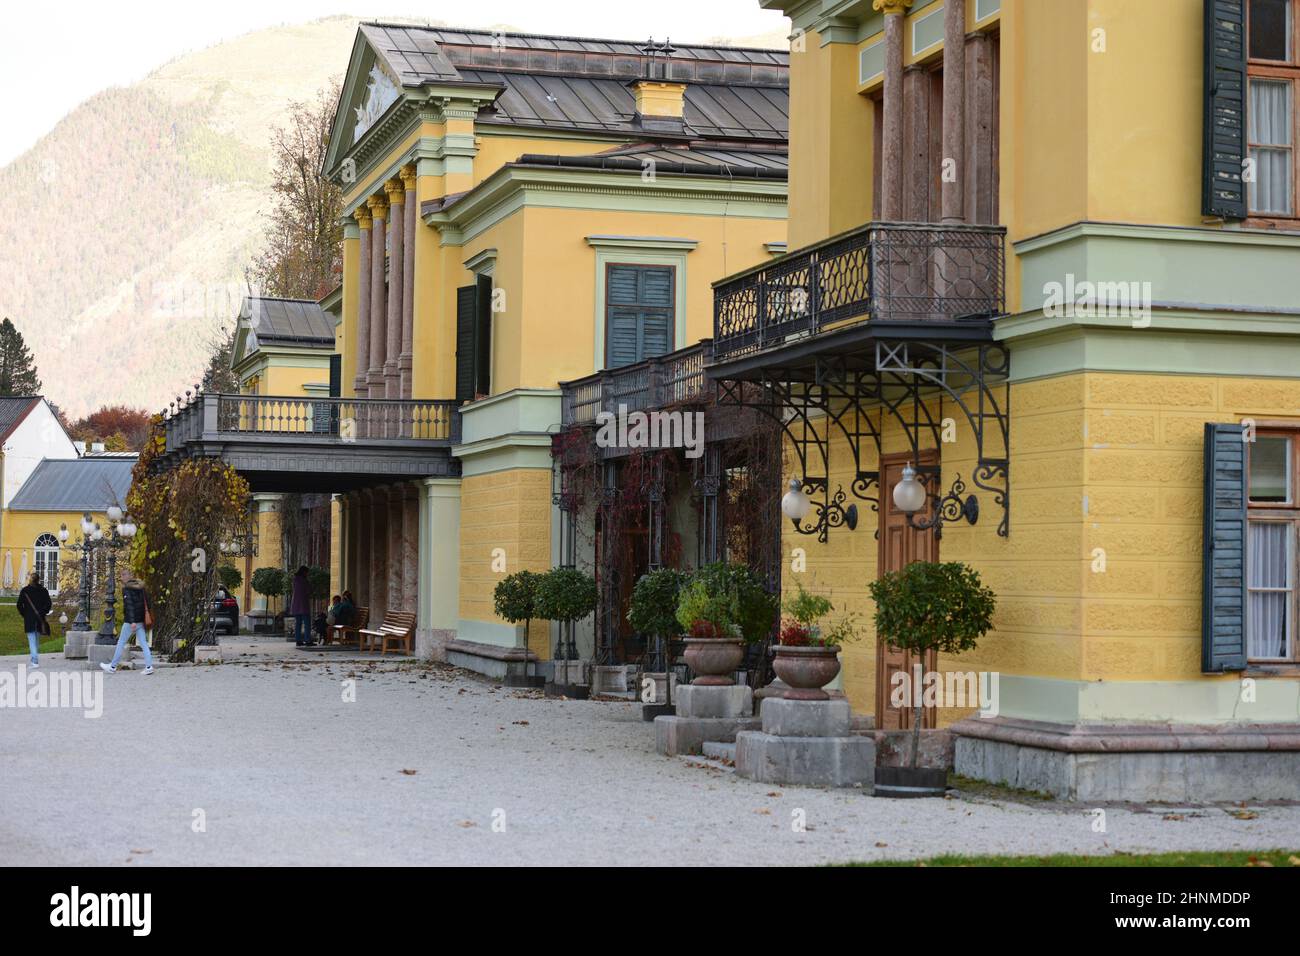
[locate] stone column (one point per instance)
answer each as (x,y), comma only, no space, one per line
(268,544)
(405,361)
(378,555)
(954,108)
(396,286)
(891,149)
(365,521)
(396,547)
(439,574)
(378,298)
(359,385)
(410,548)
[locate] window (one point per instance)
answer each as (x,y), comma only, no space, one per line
(640,312)
(47,561)
(1273,525)
(1273,73)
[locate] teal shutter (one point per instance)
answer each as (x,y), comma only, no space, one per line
(639,313)
(1223,590)
(1223,194)
(466,316)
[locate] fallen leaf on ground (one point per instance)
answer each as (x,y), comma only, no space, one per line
(408,772)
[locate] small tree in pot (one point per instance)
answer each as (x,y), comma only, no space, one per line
(515,600)
(653,612)
(565,595)
(930,605)
(270,582)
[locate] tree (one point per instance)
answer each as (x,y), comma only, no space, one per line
(931,606)
(17,366)
(301,257)
(119,427)
(219,376)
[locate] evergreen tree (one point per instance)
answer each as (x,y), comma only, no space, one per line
(17,367)
(219,376)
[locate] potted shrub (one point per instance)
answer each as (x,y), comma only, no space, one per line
(515,600)
(565,595)
(722,608)
(927,606)
(652,611)
(230,577)
(806,656)
(270,583)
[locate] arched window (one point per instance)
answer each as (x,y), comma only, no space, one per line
(47,561)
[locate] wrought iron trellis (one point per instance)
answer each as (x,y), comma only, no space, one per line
(901,382)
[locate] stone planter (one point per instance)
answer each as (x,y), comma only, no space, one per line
(714,659)
(807,670)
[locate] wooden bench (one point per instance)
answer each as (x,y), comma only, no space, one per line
(398,627)
(340,632)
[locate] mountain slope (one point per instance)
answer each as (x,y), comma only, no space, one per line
(127,228)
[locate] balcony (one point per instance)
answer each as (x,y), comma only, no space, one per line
(913,277)
(294,444)
(664,381)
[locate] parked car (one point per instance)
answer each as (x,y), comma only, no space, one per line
(225,611)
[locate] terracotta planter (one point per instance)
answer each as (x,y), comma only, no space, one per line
(714,659)
(806,670)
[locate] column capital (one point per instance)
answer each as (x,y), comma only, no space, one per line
(362,216)
(408,175)
(395,191)
(378,207)
(890,8)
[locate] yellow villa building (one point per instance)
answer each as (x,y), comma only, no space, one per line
(1040,268)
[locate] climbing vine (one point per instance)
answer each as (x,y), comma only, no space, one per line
(183,512)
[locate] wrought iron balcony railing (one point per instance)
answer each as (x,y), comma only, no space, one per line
(905,272)
(279,418)
(658,382)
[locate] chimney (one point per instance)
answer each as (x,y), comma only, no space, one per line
(97,448)
(659,99)
(80,446)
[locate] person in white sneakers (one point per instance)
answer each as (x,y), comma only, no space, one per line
(136,619)
(34,605)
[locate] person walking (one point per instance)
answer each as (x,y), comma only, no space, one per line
(34,605)
(136,619)
(300,608)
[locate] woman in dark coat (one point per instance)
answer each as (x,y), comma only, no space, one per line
(300,609)
(135,604)
(34,604)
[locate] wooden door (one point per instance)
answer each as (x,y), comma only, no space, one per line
(900,545)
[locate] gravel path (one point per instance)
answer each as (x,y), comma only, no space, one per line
(286,772)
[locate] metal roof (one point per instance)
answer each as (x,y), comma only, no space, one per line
(13,409)
(76,484)
(584,84)
(290,321)
(764,164)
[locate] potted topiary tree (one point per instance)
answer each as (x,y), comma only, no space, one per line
(722,608)
(270,583)
(229,577)
(926,606)
(807,654)
(566,595)
(652,611)
(515,600)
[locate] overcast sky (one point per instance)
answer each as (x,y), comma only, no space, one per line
(59,55)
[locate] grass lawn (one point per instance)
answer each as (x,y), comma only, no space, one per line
(12,638)
(1210,858)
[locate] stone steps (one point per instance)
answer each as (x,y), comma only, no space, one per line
(720,750)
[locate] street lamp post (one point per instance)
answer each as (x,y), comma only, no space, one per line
(121,530)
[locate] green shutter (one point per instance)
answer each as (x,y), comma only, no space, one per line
(1223,194)
(640,312)
(466,315)
(1223,589)
(483,338)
